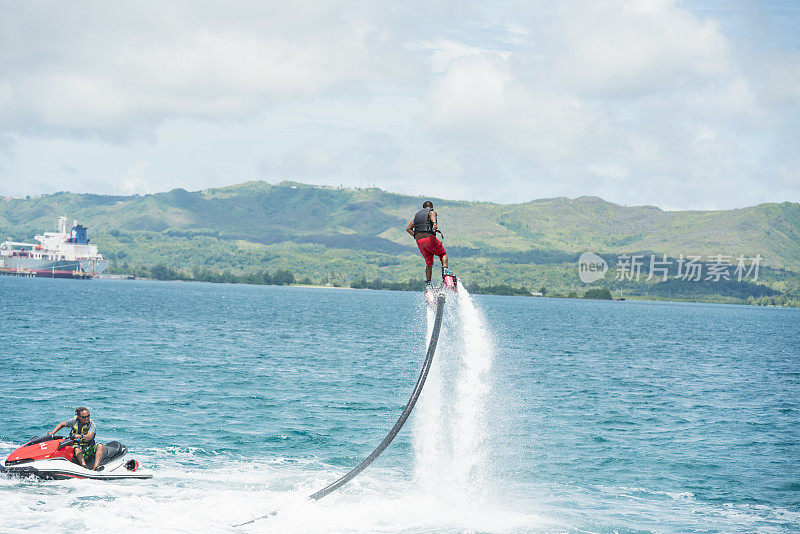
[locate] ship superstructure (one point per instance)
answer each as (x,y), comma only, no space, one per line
(62,254)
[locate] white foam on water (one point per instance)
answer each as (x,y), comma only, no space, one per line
(228,492)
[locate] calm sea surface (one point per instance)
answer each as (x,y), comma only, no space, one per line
(540,415)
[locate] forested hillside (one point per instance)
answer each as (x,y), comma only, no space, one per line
(342,235)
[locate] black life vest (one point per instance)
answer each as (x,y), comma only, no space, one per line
(78,432)
(422,221)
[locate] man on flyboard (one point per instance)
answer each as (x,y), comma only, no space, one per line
(423,228)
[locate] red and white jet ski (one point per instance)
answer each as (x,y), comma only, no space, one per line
(49,457)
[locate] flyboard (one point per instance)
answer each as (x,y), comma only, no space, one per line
(426,366)
(449,281)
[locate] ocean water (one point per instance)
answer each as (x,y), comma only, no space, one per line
(539,415)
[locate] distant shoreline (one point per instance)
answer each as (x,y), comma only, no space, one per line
(317,286)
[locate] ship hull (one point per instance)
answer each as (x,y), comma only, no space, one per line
(17,266)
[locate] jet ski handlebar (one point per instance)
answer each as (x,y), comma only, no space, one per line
(66,442)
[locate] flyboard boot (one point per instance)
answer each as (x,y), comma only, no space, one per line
(449,280)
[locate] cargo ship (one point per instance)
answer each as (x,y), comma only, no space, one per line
(61,254)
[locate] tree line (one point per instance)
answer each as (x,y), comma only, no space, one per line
(743,292)
(280,277)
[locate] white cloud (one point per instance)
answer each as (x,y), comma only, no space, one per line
(641,102)
(211,68)
(306,161)
(443,52)
(784,79)
(789,174)
(134,180)
(611,172)
(627,49)
(471,88)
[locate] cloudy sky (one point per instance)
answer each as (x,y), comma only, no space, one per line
(683,105)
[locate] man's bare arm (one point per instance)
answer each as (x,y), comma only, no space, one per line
(410,228)
(433,221)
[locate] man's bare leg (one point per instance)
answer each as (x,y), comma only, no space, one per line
(97,455)
(79,455)
(428,272)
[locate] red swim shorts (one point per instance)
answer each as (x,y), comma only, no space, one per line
(430,247)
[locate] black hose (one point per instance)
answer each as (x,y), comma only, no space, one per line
(426,366)
(403,416)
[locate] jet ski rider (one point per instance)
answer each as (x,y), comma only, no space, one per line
(423,228)
(83,430)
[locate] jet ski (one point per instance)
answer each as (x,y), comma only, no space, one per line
(50,457)
(449,281)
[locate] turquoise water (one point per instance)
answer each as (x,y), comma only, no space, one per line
(540,415)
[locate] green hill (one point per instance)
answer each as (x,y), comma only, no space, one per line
(343,234)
